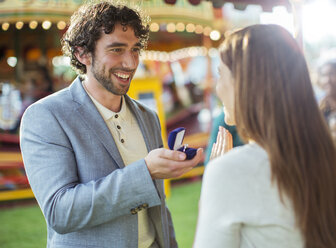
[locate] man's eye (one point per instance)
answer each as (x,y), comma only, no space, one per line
(117,50)
(136,49)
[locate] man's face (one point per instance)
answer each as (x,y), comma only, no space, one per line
(116,59)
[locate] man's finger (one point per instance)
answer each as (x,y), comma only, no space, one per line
(172,155)
(194,161)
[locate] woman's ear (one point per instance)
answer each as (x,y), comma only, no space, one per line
(82,56)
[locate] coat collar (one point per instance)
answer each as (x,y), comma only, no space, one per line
(92,118)
(96,123)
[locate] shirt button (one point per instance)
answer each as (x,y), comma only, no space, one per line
(122,140)
(116,116)
(119,127)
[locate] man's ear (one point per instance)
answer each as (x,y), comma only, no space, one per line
(82,56)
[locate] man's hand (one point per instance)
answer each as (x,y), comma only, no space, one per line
(163,163)
(223,143)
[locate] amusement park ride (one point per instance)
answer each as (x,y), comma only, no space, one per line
(31,30)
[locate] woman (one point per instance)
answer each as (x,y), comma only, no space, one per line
(279,190)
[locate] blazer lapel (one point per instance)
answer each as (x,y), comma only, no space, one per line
(95,122)
(149,142)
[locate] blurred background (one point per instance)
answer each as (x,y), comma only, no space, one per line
(176,77)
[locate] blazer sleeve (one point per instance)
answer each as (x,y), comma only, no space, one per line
(67,204)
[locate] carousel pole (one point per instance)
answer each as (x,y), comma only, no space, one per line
(18,54)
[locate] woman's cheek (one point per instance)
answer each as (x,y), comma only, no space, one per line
(220,91)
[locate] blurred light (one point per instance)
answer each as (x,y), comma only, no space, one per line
(174,55)
(61,61)
(279,16)
(207,31)
(180,27)
(154,27)
(12,61)
(190,27)
(156,55)
(199,29)
(5,26)
(33,24)
(215,35)
(193,52)
(318,20)
(164,56)
(203,51)
(46,25)
(19,25)
(171,28)
(61,25)
(213,52)
(150,55)
(204,118)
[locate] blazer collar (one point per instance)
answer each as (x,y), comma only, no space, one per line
(90,115)
(96,123)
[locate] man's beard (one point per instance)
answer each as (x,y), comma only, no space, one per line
(106,81)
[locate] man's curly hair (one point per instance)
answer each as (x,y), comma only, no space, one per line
(89,22)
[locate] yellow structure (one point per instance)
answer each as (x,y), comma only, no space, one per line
(149,91)
(12,162)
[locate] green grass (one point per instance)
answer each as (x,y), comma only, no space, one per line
(183,205)
(24,226)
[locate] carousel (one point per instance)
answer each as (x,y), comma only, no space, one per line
(30,53)
(175,77)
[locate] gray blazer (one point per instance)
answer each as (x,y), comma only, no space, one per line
(87,195)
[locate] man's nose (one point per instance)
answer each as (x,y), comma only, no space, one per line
(130,60)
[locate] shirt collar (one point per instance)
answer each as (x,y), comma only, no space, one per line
(107,113)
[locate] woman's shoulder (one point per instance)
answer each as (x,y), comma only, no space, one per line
(243,161)
(250,153)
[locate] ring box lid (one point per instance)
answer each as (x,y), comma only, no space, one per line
(175,138)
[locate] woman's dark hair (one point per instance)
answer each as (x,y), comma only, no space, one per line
(89,22)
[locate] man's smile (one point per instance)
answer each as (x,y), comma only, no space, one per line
(123,76)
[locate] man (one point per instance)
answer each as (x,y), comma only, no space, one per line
(91,153)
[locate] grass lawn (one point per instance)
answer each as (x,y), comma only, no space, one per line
(24,226)
(183,205)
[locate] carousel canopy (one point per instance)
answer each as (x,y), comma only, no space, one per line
(183,23)
(267,5)
(197,12)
